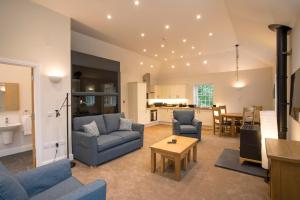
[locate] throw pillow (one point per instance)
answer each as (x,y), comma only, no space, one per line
(10,188)
(125,124)
(91,129)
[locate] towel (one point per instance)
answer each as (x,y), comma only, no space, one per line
(27,124)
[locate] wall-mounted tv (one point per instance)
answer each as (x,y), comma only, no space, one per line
(295,96)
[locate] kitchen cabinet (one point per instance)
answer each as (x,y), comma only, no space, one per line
(165,115)
(137,103)
(170,91)
(205,116)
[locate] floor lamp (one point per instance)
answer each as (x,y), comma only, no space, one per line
(57,114)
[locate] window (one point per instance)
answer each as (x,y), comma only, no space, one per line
(204,95)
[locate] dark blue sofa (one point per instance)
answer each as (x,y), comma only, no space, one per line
(50,182)
(185,124)
(111,143)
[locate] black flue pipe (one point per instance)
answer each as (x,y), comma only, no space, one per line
(281,77)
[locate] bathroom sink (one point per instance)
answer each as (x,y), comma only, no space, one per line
(9,127)
(7,132)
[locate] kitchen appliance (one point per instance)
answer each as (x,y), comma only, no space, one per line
(153,115)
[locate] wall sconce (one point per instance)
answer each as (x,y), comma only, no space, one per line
(55,79)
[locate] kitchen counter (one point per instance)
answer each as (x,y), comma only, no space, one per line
(179,108)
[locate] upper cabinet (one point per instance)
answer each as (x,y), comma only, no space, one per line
(169,92)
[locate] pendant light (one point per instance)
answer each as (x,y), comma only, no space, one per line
(238,83)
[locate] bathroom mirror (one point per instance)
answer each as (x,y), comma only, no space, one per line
(9,96)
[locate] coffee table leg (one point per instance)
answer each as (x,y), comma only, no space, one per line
(153,161)
(177,168)
(195,153)
(189,156)
(185,163)
(162,164)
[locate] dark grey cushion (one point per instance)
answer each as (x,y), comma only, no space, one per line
(188,129)
(112,121)
(78,122)
(10,188)
(67,186)
(184,117)
(108,141)
(127,136)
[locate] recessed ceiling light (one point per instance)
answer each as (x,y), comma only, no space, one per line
(151,66)
(162,45)
(172,66)
(165,59)
(187,64)
(144,50)
(198,16)
(167,26)
(199,53)
(172,51)
(193,47)
(210,34)
(155,55)
(183,40)
(181,56)
(205,62)
(142,34)
(136,3)
(108,16)
(141,63)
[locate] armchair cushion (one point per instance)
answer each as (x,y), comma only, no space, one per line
(10,188)
(188,129)
(42,178)
(184,117)
(112,121)
(67,186)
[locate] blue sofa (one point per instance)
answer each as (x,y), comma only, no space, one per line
(50,182)
(111,143)
(185,124)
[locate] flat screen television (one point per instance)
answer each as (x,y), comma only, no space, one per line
(295,96)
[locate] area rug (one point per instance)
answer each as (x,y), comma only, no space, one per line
(230,159)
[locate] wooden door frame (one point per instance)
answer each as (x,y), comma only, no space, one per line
(36,106)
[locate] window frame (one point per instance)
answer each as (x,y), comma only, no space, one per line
(206,97)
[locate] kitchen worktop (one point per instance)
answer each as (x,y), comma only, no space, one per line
(179,108)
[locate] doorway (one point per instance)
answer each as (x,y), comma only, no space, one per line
(17,123)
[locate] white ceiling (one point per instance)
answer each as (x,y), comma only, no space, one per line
(231,21)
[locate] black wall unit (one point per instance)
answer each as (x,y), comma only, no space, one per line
(95,85)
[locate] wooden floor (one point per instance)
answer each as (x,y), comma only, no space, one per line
(129,177)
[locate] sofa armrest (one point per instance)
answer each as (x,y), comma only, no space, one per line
(92,191)
(176,127)
(85,147)
(140,129)
(42,178)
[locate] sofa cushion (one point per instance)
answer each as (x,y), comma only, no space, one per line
(112,121)
(62,188)
(125,124)
(108,141)
(78,122)
(91,129)
(127,136)
(188,129)
(185,117)
(10,188)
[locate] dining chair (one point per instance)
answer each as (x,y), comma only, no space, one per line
(257,110)
(248,115)
(219,124)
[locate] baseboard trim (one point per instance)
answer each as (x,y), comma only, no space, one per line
(71,157)
(15,150)
(152,124)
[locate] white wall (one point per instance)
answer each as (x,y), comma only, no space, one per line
(131,70)
(33,33)
(258,90)
(22,76)
(294,126)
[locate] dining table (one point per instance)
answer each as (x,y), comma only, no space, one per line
(233,118)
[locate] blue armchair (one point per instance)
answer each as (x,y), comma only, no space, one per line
(49,182)
(185,124)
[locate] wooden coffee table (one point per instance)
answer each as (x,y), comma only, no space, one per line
(177,152)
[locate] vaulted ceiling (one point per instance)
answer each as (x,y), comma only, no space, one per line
(210,29)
